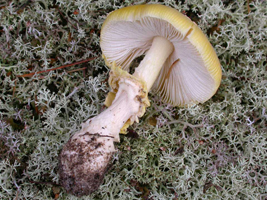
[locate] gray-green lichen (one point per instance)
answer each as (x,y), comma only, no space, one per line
(216,150)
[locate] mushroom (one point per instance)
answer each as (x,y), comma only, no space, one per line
(179,63)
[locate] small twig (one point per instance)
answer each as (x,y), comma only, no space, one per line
(68,72)
(76,70)
(17,195)
(248,7)
(18,191)
(56,68)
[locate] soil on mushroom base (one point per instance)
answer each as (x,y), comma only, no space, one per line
(79,173)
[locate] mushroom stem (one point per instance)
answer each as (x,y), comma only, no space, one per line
(148,70)
(111,120)
(87,156)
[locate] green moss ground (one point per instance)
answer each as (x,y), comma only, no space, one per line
(216,150)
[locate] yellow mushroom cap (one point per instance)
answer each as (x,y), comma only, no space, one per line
(191,74)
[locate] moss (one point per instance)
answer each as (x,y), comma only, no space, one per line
(210,151)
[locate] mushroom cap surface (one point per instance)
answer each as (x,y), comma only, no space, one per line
(191,74)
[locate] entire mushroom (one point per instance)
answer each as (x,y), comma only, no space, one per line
(179,63)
